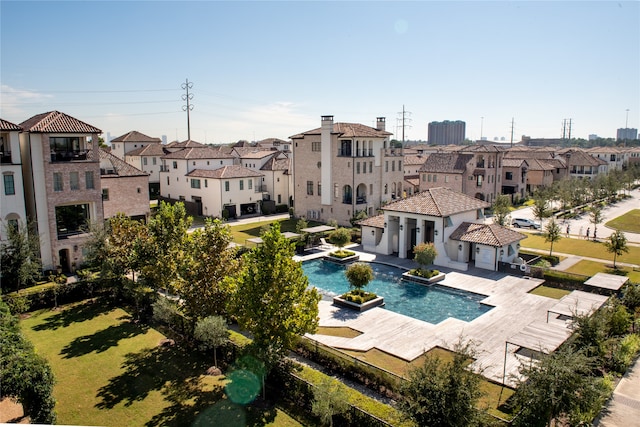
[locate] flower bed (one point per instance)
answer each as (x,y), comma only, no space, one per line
(359,300)
(342,257)
(423,276)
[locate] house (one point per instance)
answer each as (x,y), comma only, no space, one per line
(130,141)
(451,220)
(450,170)
(148,159)
(275,143)
(13,210)
(412,163)
(124,188)
(582,165)
(514,180)
(341,169)
(613,156)
(277,180)
(61,185)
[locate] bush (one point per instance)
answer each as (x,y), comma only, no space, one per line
(359,296)
(342,254)
(626,352)
(424,272)
(340,237)
(561,277)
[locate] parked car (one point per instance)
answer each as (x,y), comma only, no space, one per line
(524,222)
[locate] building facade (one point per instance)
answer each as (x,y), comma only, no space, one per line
(447,132)
(12,205)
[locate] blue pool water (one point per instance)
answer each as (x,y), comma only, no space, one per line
(431,304)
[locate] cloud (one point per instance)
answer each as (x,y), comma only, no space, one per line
(19,105)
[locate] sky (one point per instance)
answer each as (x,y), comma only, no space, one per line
(271,69)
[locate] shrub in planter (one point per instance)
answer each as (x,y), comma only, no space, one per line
(342,254)
(423,272)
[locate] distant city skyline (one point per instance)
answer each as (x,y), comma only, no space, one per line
(272,68)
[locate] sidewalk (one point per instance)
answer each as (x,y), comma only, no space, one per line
(572,259)
(623,409)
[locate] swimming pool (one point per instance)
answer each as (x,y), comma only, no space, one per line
(431,304)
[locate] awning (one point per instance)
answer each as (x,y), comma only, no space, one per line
(318,229)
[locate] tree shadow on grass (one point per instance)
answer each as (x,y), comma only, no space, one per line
(75,314)
(102,340)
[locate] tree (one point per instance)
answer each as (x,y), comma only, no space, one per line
(164,253)
(443,393)
(340,237)
(501,210)
(552,234)
(425,254)
(540,208)
(207,284)
(301,224)
(212,331)
(272,300)
(617,245)
(595,217)
(359,274)
(559,385)
(20,264)
(329,399)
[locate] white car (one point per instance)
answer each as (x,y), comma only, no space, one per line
(524,222)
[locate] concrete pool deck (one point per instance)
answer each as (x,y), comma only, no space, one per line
(407,338)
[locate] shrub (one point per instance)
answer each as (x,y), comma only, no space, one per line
(425,253)
(340,237)
(562,277)
(359,275)
(423,272)
(342,254)
(626,352)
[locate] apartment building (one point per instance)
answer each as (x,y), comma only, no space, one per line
(341,169)
(12,205)
(61,184)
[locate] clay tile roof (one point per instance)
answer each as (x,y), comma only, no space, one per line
(149,150)
(438,202)
(202,152)
(235,171)
(57,122)
(253,152)
(374,221)
(414,159)
(135,136)
(348,130)
(540,165)
(413,181)
(486,234)
(121,167)
(274,164)
(446,163)
(6,125)
(513,163)
(189,143)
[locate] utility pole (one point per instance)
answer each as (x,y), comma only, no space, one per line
(511,131)
(187,97)
(404,119)
(481,127)
(570,129)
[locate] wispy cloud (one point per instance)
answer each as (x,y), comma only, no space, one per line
(20,104)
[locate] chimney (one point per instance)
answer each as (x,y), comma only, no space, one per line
(380,122)
(327,123)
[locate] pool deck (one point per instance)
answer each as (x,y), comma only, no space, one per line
(514,310)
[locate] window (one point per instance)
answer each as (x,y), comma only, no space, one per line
(319,189)
(315,146)
(371,189)
(386,165)
(242,184)
(424,177)
(393,166)
(168,181)
(139,191)
(508,175)
(250,183)
(370,167)
(399,165)
(206,183)
(57,182)
(429,177)
(74,181)
(446,178)
(9,185)
(153,160)
(358,167)
(479,181)
(105,194)
(279,198)
(195,183)
(309,188)
(175,165)
(72,220)
(435,178)
(144,161)
(226,186)
(88,180)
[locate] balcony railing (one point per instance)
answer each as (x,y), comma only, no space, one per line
(63,233)
(344,152)
(69,156)
(164,168)
(347,200)
(348,152)
(361,200)
(393,152)
(260,189)
(5,157)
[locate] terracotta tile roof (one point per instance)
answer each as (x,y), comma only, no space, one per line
(446,163)
(57,122)
(439,201)
(121,167)
(540,165)
(135,136)
(486,234)
(558,162)
(514,163)
(253,152)
(413,181)
(374,221)
(235,171)
(201,152)
(489,148)
(189,143)
(149,150)
(528,154)
(580,158)
(348,130)
(414,159)
(6,125)
(274,164)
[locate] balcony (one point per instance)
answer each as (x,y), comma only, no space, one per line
(347,200)
(164,168)
(393,152)
(5,157)
(344,152)
(361,200)
(69,156)
(260,189)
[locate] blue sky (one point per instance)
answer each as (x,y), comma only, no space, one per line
(272,68)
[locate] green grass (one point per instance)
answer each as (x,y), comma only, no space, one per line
(586,248)
(629,222)
(110,371)
(338,331)
(589,268)
(242,232)
(550,292)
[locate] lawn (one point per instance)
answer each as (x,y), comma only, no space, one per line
(628,222)
(589,268)
(549,292)
(110,371)
(587,248)
(242,232)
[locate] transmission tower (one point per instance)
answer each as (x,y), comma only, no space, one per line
(403,120)
(566,128)
(187,97)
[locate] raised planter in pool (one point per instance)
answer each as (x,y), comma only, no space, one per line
(342,260)
(423,280)
(376,302)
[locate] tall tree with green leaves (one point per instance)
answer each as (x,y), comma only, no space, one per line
(359,274)
(501,210)
(443,393)
(208,285)
(540,208)
(595,217)
(552,234)
(164,254)
(20,264)
(213,332)
(617,245)
(272,300)
(329,399)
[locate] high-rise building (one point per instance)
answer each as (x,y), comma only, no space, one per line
(627,133)
(447,132)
